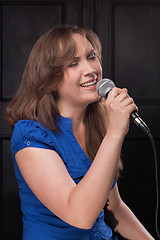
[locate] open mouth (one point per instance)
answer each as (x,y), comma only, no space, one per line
(89,84)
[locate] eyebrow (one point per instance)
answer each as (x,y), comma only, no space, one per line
(92,51)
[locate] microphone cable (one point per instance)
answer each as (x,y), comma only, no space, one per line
(157,184)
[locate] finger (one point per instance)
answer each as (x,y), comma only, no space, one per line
(127,101)
(131,108)
(122,96)
(125,90)
(114,93)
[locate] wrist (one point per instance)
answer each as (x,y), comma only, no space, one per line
(115,135)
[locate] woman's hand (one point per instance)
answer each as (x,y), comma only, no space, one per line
(119,106)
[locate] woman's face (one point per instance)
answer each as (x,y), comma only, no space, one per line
(78,86)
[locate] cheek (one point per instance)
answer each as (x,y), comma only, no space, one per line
(99,67)
(72,74)
(72,78)
(66,86)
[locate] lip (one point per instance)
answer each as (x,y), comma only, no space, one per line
(90,80)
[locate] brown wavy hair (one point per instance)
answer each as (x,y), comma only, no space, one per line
(36,99)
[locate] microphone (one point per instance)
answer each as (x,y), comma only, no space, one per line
(104,86)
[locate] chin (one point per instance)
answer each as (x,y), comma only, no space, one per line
(95,99)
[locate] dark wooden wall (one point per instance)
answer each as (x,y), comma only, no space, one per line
(130,34)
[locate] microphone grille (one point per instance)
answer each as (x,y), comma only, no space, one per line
(104,86)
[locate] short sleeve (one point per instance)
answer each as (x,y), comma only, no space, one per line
(28,133)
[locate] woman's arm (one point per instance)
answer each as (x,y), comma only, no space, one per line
(122,219)
(48,178)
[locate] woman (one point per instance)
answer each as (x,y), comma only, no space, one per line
(66,142)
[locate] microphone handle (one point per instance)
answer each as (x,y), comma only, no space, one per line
(139,122)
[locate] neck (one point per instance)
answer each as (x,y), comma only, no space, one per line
(75,113)
(78,127)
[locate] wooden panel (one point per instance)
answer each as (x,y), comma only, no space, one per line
(12,223)
(103,28)
(89,14)
(137,182)
(135,56)
(73,12)
(4,128)
(22,25)
(1,188)
(137,51)
(134,38)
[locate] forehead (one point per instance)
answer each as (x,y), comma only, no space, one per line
(81,42)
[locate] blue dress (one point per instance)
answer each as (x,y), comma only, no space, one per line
(39,223)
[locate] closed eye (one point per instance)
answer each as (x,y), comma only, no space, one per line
(91,56)
(72,64)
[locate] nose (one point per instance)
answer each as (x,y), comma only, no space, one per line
(88,68)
